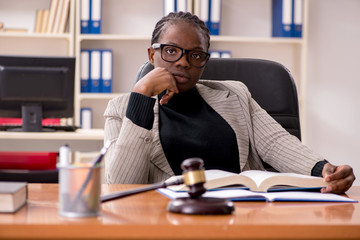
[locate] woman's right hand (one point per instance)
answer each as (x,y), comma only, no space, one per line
(155,82)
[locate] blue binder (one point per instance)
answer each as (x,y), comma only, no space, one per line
(95,70)
(226,54)
(215,16)
(106,70)
(95,16)
(181,5)
(85,70)
(204,12)
(85,16)
(169,6)
(175,6)
(282,18)
(297,18)
(86,118)
(215,54)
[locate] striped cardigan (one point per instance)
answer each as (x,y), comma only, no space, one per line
(138,157)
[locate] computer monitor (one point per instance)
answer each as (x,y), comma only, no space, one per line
(35,88)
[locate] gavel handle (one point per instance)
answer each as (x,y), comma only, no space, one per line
(122,194)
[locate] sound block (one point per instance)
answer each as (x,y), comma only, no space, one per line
(201,206)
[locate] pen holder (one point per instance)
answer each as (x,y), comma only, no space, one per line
(79,191)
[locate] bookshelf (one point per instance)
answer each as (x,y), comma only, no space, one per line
(126,29)
(22,14)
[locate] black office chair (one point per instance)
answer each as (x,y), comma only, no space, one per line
(269,83)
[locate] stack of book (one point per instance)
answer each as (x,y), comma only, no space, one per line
(90,16)
(96,70)
(287,18)
(54,19)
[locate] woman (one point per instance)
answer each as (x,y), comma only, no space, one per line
(171,115)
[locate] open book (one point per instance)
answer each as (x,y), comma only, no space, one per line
(258,181)
(245,195)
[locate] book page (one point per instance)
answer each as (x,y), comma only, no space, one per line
(258,176)
(214,174)
(266,180)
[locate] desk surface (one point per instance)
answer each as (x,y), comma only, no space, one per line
(144,216)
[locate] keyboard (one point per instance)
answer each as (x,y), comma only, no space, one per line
(62,128)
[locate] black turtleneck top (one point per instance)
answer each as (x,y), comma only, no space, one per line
(189,127)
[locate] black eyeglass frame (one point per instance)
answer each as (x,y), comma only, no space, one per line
(183,51)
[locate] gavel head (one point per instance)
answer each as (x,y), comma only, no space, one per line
(194,176)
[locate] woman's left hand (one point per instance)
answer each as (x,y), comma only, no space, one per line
(339,178)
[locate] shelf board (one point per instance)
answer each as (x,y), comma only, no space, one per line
(99,96)
(35,35)
(80,134)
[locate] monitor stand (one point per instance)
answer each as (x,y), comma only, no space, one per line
(31,119)
(31,116)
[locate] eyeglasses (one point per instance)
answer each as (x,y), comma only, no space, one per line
(170,53)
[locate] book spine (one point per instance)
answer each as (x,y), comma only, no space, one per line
(220,54)
(298,18)
(205,12)
(282,18)
(59,8)
(190,6)
(169,6)
(95,16)
(85,70)
(215,16)
(85,16)
(39,20)
(106,70)
(52,15)
(226,54)
(45,21)
(86,118)
(95,70)
(64,16)
(181,5)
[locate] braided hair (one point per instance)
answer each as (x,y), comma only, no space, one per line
(175,17)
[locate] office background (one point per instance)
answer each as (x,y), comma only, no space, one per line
(333,86)
(332,116)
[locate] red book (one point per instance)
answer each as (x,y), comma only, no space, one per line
(28,160)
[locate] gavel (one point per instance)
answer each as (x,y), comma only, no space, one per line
(194,179)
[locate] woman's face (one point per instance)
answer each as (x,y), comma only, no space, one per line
(188,37)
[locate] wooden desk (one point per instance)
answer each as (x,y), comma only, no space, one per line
(144,216)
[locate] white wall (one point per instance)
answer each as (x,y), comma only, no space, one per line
(333,111)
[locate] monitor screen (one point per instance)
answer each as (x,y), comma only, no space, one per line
(35,88)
